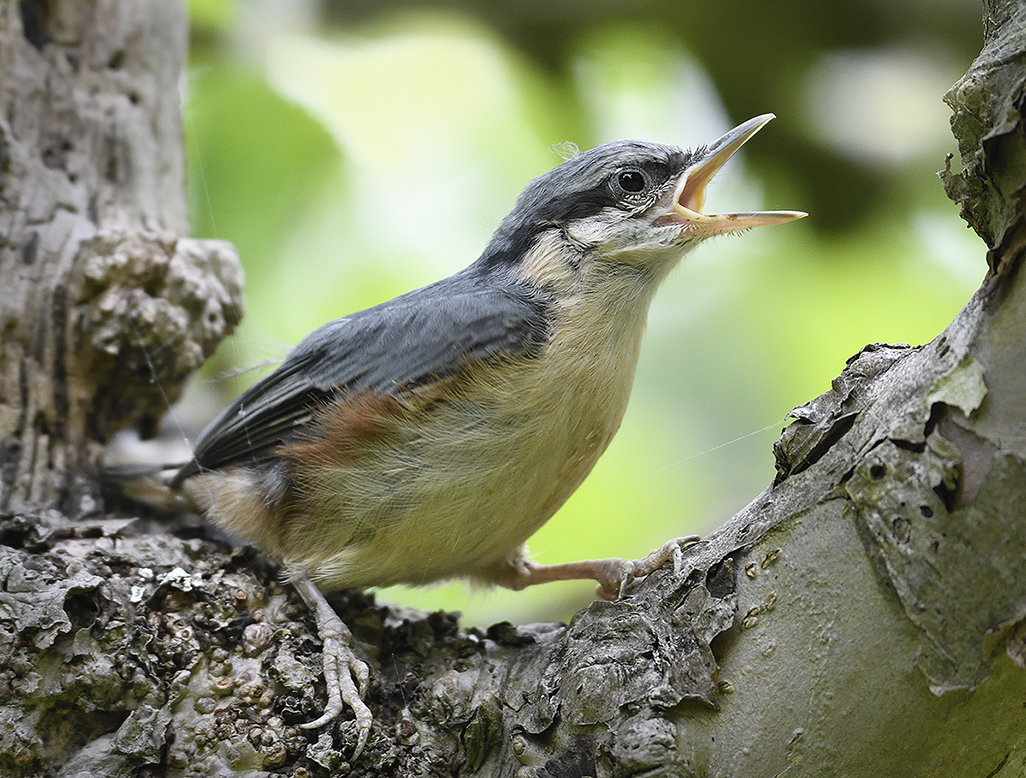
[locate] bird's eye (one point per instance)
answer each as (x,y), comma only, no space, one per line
(631,181)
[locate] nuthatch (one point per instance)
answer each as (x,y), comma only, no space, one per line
(428,437)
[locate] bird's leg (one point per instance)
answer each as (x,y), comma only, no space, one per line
(612,574)
(341,665)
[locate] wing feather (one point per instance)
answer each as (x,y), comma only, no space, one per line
(430,333)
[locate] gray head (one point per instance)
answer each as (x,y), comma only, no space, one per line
(628,202)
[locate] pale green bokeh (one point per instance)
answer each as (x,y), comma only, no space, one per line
(213,14)
(353,169)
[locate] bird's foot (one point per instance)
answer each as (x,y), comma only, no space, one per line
(345,675)
(613,575)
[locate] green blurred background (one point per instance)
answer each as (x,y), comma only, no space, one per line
(354,150)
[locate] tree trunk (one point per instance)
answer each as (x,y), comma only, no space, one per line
(864,616)
(105,310)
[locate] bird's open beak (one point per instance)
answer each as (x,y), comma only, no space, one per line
(689,194)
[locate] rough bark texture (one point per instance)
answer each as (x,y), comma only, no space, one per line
(106,307)
(864,616)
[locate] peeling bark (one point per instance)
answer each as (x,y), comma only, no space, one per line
(865,615)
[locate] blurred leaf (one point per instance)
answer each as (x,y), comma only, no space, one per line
(256,161)
(213,15)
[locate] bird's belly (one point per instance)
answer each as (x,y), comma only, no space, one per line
(453,493)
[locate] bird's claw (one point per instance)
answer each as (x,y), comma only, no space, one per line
(624,571)
(346,677)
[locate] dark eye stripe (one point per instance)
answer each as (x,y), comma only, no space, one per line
(582,187)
